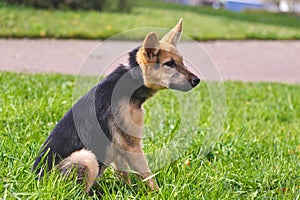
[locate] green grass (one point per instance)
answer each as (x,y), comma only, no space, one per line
(256,157)
(199,23)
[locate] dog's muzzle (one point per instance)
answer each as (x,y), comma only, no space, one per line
(189,84)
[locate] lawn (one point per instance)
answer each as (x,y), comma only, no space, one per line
(256,157)
(199,23)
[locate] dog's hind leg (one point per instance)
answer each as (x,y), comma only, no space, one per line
(85,164)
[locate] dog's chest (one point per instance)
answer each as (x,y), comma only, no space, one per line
(129,119)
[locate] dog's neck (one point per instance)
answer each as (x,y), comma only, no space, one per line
(142,93)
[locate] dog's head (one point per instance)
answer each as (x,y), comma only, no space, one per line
(162,64)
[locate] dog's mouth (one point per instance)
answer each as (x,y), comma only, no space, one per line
(183,88)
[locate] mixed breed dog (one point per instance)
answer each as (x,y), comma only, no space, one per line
(155,65)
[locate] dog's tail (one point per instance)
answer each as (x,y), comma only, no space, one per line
(84,163)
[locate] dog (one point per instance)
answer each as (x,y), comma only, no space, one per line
(116,103)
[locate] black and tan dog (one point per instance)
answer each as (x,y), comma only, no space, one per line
(154,66)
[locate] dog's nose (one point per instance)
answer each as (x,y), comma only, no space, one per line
(195,81)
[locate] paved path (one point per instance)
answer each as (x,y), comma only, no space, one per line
(236,60)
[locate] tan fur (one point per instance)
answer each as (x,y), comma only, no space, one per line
(132,118)
(173,36)
(158,76)
(82,158)
(137,115)
(121,167)
(129,139)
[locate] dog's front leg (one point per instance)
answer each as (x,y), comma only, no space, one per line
(121,167)
(137,162)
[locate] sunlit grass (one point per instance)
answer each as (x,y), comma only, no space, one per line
(199,23)
(256,157)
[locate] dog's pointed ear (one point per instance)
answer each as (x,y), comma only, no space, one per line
(151,46)
(173,36)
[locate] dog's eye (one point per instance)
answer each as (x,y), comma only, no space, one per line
(171,63)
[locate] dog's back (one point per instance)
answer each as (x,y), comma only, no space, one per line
(64,147)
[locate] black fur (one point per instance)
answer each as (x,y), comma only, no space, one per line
(132,58)
(64,139)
